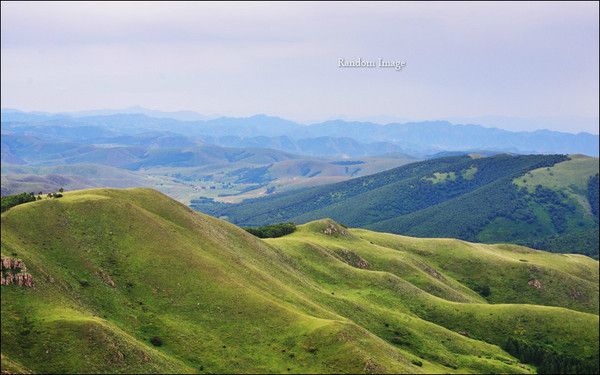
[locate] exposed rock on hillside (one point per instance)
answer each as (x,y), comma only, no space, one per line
(352,258)
(13,272)
(13,264)
(535,283)
(334,229)
(106,279)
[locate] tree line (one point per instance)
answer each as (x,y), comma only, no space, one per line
(272,231)
(10,201)
(549,361)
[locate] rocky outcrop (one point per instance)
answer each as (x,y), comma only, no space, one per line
(13,264)
(24,279)
(351,258)
(334,229)
(372,367)
(433,272)
(13,271)
(106,279)
(535,283)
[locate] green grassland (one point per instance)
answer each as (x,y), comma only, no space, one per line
(115,268)
(439,177)
(570,177)
(572,173)
(547,202)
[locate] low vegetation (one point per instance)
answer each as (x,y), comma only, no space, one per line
(592,194)
(543,201)
(16,199)
(272,231)
(547,360)
(9,201)
(130,281)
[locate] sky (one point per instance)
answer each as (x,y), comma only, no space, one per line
(522,65)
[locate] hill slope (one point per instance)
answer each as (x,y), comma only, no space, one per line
(114,270)
(468,197)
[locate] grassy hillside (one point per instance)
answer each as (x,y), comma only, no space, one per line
(570,177)
(547,208)
(132,281)
(544,201)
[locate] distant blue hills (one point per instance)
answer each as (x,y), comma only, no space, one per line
(331,138)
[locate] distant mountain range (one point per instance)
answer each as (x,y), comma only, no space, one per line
(44,154)
(132,281)
(172,163)
(234,159)
(333,138)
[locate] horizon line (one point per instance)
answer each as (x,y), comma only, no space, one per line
(139,109)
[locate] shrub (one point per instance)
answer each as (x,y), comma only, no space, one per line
(417,362)
(483,290)
(398,340)
(16,199)
(156,341)
(272,231)
(548,360)
(312,350)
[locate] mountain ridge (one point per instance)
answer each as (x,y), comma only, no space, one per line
(469,197)
(423,137)
(115,269)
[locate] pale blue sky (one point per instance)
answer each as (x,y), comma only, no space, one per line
(464,60)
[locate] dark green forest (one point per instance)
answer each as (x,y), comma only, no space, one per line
(16,199)
(473,199)
(549,361)
(272,231)
(9,201)
(593,192)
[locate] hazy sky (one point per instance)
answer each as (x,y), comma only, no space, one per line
(463,60)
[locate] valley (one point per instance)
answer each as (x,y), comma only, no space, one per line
(544,201)
(279,187)
(41,153)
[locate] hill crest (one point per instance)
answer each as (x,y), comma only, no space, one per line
(132,281)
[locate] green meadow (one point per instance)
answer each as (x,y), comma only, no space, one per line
(131,281)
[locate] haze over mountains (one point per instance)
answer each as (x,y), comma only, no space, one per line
(133,281)
(348,138)
(366,187)
(263,170)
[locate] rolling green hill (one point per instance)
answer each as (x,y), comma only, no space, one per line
(132,281)
(543,201)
